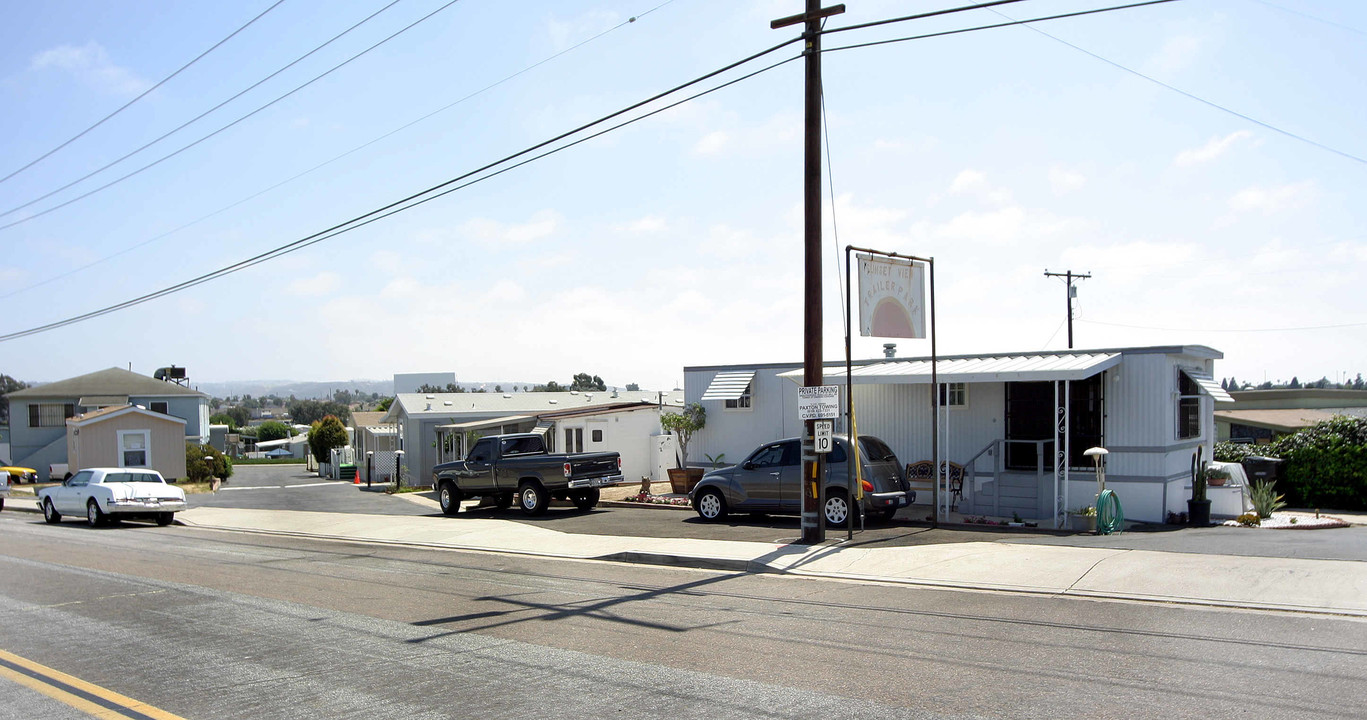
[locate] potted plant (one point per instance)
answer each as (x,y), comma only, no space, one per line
(683,424)
(1084,519)
(1216,477)
(1198,507)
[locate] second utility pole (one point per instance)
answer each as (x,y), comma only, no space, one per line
(813,464)
(1069,276)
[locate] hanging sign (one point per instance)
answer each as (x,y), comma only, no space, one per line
(892,295)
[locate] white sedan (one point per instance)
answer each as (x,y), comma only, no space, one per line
(112,494)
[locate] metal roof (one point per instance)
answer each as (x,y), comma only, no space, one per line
(969,369)
(729,385)
(1209,385)
(455,405)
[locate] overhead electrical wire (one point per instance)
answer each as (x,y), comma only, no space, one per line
(431,193)
(195,119)
(1198,98)
(164,158)
(1253,330)
(449,186)
(358,148)
(144,94)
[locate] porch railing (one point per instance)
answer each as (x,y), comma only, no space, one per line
(995,452)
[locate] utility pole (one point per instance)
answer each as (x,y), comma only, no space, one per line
(813,464)
(1069,277)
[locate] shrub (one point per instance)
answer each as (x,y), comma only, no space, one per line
(1265,499)
(203,462)
(325,435)
(272,430)
(1326,464)
(1234,452)
(1249,520)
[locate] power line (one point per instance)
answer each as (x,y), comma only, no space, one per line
(356,149)
(145,93)
(1198,98)
(1308,16)
(164,158)
(1209,330)
(1081,13)
(430,193)
(920,16)
(195,119)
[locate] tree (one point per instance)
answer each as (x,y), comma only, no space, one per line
(9,385)
(498,388)
(450,388)
(240,415)
(584,382)
(272,430)
(551,386)
(633,387)
(683,424)
(325,435)
(383,405)
(223,419)
(203,462)
(1295,383)
(307,412)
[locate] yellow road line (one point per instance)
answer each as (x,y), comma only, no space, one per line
(90,699)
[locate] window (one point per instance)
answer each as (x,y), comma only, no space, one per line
(1188,407)
(776,455)
(483,451)
(597,436)
(742,402)
(954,395)
(157,407)
(522,445)
(574,440)
(41,415)
(1031,415)
(80,479)
(133,448)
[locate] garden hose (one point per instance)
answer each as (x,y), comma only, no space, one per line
(1109,517)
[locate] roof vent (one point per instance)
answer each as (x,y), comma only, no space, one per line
(506,395)
(574,392)
(429,397)
(890,350)
(554,402)
(588,397)
(447,403)
(429,406)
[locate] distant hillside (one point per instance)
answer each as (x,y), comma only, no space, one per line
(324,390)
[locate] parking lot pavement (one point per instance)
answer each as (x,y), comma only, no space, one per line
(291,487)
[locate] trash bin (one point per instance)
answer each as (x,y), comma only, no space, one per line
(1259,468)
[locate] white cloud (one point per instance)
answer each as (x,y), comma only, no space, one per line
(492,232)
(91,64)
(967,181)
(712,143)
(1177,53)
(1064,181)
(323,283)
(647,225)
(1270,201)
(1211,150)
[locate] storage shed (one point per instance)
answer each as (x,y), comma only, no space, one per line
(1017,423)
(127,436)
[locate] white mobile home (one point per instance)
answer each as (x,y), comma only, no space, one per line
(1018,423)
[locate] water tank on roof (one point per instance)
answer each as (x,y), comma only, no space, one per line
(170,373)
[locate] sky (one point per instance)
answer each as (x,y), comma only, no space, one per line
(1200,159)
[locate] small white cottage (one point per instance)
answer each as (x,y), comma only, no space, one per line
(1017,423)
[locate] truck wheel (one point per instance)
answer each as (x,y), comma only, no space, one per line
(711,505)
(503,500)
(532,497)
(585,500)
(449,498)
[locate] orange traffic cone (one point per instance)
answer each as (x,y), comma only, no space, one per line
(357,481)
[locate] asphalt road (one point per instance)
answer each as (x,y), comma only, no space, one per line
(209,624)
(290,487)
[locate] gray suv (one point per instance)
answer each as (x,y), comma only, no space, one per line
(770,480)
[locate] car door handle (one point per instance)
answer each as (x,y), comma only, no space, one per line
(775,474)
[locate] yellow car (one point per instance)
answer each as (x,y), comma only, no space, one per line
(20,475)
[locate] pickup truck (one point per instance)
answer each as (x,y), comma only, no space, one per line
(506,466)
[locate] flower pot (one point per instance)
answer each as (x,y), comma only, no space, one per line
(1217,481)
(1082,523)
(682,480)
(1198,512)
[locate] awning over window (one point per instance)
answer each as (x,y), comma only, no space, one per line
(99,401)
(729,385)
(1000,368)
(1208,385)
(543,427)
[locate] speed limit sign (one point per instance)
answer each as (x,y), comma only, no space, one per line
(823,436)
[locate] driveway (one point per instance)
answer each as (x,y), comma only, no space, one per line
(291,487)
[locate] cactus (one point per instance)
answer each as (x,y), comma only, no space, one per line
(1198,475)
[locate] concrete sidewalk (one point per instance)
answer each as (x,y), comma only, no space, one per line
(1336,587)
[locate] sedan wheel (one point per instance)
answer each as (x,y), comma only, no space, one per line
(50,513)
(93,515)
(164,519)
(711,505)
(837,509)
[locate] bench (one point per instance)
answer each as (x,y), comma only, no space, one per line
(921,476)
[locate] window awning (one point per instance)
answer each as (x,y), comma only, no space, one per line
(543,427)
(1208,385)
(99,401)
(729,385)
(484,424)
(997,368)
